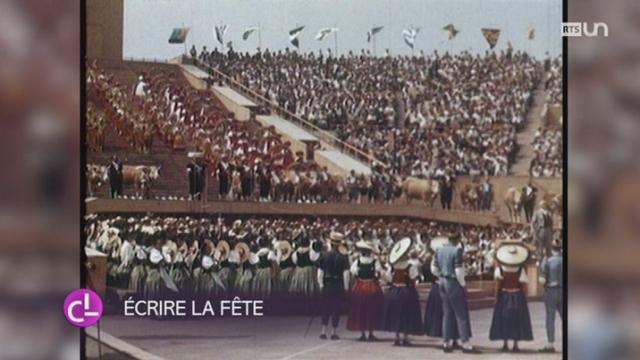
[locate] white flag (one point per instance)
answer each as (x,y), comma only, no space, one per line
(219,32)
(324,32)
(410,36)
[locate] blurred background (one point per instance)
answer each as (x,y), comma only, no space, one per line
(604,182)
(40,167)
(40,164)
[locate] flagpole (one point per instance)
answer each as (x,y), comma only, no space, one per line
(185,41)
(260,36)
(373,38)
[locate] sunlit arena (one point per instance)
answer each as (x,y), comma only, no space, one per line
(383,179)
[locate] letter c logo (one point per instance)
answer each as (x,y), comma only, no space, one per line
(83,308)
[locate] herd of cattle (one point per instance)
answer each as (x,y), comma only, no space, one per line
(292,186)
(140,177)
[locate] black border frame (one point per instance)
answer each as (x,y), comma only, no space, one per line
(83,158)
(565,183)
(565,148)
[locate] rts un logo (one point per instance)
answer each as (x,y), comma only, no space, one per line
(82,308)
(580,29)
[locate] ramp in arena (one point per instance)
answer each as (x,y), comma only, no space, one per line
(237,103)
(341,160)
(195,71)
(240,208)
(286,127)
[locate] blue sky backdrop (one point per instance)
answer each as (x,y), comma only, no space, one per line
(148,24)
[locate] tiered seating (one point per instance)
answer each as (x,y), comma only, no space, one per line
(459,113)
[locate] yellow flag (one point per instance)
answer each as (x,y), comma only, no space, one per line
(492,36)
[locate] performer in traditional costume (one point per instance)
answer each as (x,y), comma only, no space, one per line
(139,271)
(304,281)
(154,287)
(333,280)
(401,305)
(434,314)
(366,300)
(229,261)
(448,265)
(180,272)
(287,267)
(244,279)
(551,269)
(208,284)
(511,320)
(263,281)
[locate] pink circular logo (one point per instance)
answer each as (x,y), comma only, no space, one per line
(82,308)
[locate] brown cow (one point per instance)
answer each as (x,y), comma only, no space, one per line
(96,178)
(513,200)
(470,197)
(424,189)
(555,202)
(141,177)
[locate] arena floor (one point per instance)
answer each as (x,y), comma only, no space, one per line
(283,338)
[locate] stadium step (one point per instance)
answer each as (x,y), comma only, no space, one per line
(526,136)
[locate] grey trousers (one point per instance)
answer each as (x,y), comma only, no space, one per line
(552,304)
(454,305)
(543,239)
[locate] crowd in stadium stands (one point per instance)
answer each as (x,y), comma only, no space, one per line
(181,243)
(421,114)
(554,81)
(547,144)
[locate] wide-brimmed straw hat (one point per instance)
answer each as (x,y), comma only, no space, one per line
(223,249)
(399,250)
(285,249)
(366,245)
(336,237)
(243,250)
(512,253)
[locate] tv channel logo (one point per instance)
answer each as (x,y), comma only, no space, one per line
(83,308)
(582,29)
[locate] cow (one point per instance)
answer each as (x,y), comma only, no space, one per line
(141,177)
(513,200)
(555,202)
(470,197)
(236,186)
(424,189)
(96,178)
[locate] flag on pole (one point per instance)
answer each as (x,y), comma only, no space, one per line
(371,33)
(219,32)
(532,34)
(492,36)
(293,36)
(409,36)
(248,31)
(178,35)
(324,32)
(452,31)
(230,45)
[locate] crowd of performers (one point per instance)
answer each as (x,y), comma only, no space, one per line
(329,264)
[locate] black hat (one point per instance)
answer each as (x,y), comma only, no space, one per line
(317,246)
(262,241)
(301,240)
